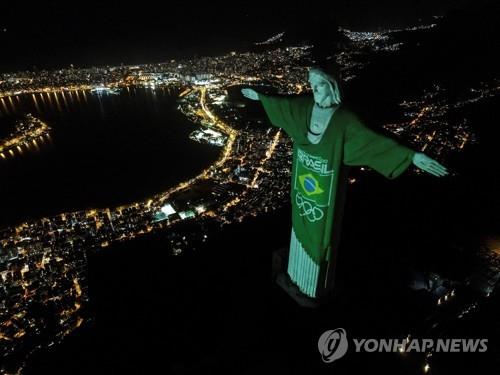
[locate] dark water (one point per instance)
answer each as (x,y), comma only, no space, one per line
(104,150)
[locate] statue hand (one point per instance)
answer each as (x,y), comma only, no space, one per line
(429,165)
(250,94)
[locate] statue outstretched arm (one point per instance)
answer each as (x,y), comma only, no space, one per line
(365,147)
(286,112)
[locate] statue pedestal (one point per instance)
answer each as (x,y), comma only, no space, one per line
(281,278)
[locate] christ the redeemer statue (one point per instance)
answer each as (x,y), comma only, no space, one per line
(327,139)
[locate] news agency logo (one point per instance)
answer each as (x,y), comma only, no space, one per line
(333,344)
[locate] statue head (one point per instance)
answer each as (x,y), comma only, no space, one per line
(324,84)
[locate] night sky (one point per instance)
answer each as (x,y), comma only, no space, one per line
(54,34)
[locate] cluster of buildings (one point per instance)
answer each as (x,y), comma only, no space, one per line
(26,133)
(437,125)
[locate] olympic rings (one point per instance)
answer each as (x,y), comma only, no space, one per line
(312,213)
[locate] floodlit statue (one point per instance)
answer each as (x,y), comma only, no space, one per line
(327,139)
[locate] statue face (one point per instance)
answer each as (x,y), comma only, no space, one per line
(321,88)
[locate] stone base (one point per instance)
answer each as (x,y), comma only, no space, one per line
(282,279)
